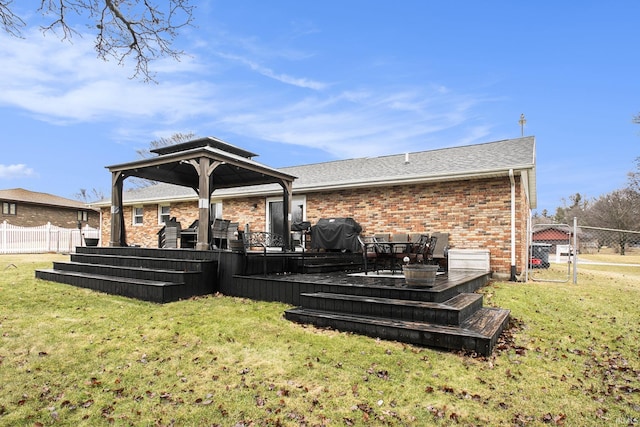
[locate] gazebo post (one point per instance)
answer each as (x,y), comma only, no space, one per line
(286,211)
(205,168)
(118,234)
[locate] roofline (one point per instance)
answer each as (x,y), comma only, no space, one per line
(53,205)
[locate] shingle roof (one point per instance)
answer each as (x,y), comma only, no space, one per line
(492,158)
(26,196)
(446,162)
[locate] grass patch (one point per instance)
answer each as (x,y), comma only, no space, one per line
(71,356)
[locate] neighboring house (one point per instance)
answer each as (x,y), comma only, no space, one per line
(555,235)
(24,208)
(480,194)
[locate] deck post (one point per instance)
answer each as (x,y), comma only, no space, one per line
(118,233)
(287,187)
(205,167)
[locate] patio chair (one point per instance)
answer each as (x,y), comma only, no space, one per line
(400,250)
(369,252)
(420,245)
(427,256)
(441,248)
(169,235)
(219,236)
(232,231)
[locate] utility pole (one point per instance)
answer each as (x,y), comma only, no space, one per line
(522,122)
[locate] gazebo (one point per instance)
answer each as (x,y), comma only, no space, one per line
(204,164)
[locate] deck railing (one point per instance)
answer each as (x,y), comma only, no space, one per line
(45,238)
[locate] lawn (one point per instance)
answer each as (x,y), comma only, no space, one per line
(71,356)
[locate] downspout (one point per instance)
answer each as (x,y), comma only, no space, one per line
(513,226)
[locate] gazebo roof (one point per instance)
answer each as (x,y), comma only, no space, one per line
(177,164)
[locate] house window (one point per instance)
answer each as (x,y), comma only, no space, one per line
(8,208)
(164,214)
(83,216)
(138,215)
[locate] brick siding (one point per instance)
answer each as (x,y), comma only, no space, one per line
(31,215)
(475,213)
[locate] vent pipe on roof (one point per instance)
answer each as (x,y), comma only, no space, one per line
(406,158)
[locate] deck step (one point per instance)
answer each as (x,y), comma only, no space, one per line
(451,312)
(136,261)
(158,275)
(478,334)
(149,290)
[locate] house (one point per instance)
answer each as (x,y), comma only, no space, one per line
(481,195)
(24,208)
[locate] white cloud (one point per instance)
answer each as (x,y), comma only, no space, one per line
(363,122)
(65,83)
(15,171)
(62,82)
(302,82)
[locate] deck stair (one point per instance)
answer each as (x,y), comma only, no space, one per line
(449,316)
(153,275)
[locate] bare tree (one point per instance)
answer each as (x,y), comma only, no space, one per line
(137,29)
(634,177)
(619,210)
(176,138)
(87,196)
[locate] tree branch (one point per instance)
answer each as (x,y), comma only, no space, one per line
(136,29)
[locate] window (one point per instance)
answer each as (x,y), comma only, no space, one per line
(83,216)
(164,214)
(8,208)
(138,215)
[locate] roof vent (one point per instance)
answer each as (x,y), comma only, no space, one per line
(406,158)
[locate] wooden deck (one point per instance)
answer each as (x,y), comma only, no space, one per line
(449,315)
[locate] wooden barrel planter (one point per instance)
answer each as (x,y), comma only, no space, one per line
(91,241)
(420,275)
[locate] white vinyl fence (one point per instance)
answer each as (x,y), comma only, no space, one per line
(45,238)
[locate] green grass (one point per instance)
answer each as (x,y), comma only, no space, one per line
(71,356)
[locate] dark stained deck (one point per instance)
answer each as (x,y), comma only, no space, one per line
(448,315)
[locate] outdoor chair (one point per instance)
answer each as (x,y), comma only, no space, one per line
(427,255)
(369,252)
(169,235)
(400,250)
(381,237)
(415,238)
(219,236)
(232,231)
(441,248)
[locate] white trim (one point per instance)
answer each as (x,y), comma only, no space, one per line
(160,214)
(134,216)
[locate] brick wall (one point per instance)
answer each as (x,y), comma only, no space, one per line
(30,215)
(475,213)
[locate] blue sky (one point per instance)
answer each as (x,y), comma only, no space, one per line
(306,82)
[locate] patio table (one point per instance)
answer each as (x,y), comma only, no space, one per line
(392,251)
